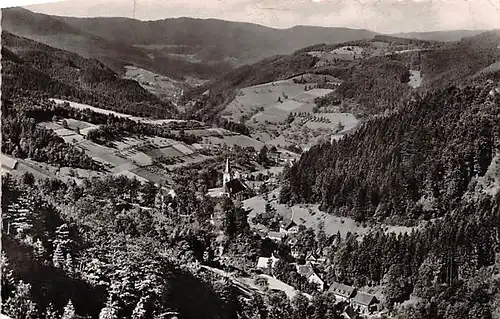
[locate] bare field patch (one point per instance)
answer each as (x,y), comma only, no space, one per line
(160,85)
(240,140)
(249,100)
(310,216)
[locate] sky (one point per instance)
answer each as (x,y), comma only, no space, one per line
(386,16)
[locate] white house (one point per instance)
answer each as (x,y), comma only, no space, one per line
(308,271)
(263,262)
(289,227)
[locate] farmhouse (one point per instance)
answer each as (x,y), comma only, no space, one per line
(289,227)
(341,291)
(309,272)
(364,303)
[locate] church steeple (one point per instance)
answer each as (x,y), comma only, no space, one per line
(227,176)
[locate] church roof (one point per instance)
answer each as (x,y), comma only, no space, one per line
(235,186)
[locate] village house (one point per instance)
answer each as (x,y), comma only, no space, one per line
(310,273)
(361,302)
(314,258)
(364,303)
(264,262)
(341,291)
(350,313)
(289,227)
(277,236)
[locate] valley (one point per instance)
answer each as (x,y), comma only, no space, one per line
(200,168)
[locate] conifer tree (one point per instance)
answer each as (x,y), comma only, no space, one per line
(39,250)
(69,311)
(139,311)
(19,304)
(51,313)
(110,311)
(58,257)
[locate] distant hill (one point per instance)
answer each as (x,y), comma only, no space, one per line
(444,36)
(195,40)
(376,79)
(55,32)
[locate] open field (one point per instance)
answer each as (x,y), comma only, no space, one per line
(347,119)
(160,85)
(221,137)
(258,98)
(310,216)
(130,156)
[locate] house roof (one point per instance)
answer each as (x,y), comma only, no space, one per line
(275,235)
(289,224)
(7,162)
(312,256)
(262,262)
(215,192)
(350,313)
(364,299)
(342,290)
(306,270)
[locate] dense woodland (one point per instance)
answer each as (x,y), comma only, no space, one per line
(412,165)
(461,62)
(109,249)
(372,85)
(29,66)
(22,138)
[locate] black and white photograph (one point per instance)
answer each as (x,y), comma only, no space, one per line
(250,159)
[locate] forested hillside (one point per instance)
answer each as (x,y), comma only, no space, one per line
(370,86)
(461,62)
(415,164)
(94,260)
(31,66)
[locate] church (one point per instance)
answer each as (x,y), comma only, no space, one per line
(232,185)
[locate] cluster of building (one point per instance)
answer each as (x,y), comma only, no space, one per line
(358,302)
